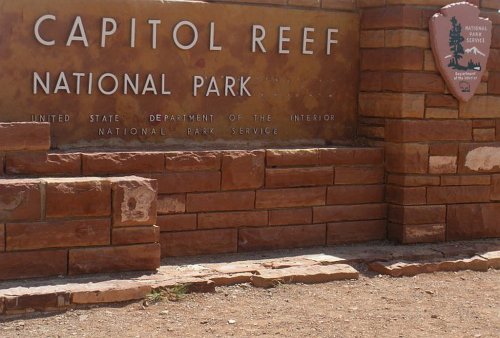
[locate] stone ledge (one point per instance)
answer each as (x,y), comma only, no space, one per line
(316,265)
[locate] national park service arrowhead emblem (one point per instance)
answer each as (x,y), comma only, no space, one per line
(461,42)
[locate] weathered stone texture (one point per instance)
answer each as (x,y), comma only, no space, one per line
(77,197)
(134,201)
(20,200)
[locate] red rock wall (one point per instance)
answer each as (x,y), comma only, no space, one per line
(72,226)
(229,201)
(442,156)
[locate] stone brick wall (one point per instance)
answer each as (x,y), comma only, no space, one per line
(229,201)
(433,161)
(72,226)
(442,156)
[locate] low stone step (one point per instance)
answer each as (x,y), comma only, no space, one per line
(408,269)
(493,258)
(304,274)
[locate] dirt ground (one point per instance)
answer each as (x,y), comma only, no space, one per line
(463,304)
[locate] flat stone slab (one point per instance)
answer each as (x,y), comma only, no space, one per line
(264,269)
(311,274)
(408,269)
(493,258)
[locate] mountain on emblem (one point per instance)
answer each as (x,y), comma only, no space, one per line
(475,51)
(461,42)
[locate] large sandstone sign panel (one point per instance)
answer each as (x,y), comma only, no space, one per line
(129,73)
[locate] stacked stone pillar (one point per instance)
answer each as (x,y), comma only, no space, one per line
(442,156)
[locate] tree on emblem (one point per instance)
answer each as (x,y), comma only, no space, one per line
(456,47)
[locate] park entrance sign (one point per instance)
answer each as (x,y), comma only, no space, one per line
(461,44)
(127,73)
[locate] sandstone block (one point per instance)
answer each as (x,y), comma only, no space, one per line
(388,59)
(180,222)
(495,37)
(442,164)
(202,242)
(220,201)
(494,82)
(292,157)
(428,130)
(77,197)
(292,197)
(370,81)
(371,132)
(413,82)
(370,3)
(405,195)
(359,175)
(391,17)
(234,219)
(400,269)
(441,113)
(114,259)
(338,4)
(466,180)
(355,194)
(493,61)
(351,156)
(410,158)
(29,264)
(479,157)
(406,38)
(134,201)
(441,101)
(20,136)
(304,3)
(42,163)
(122,163)
(298,177)
(304,274)
(421,214)
(243,169)
(469,221)
(182,182)
(495,188)
(340,213)
(290,216)
(272,238)
(490,123)
(124,291)
(493,258)
(481,106)
(37,302)
(429,62)
(57,234)
(232,279)
(135,235)
(391,105)
(484,134)
(417,233)
(443,149)
(359,231)
(20,200)
(2,237)
(372,39)
(413,180)
(171,204)
(238,267)
(193,161)
(458,194)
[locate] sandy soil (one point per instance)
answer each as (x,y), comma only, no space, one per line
(463,304)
